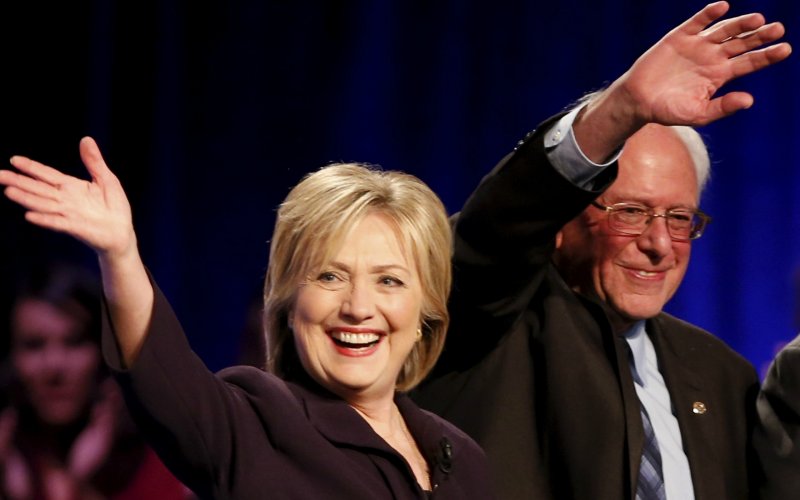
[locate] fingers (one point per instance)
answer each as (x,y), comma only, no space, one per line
(38,170)
(756,59)
(750,40)
(37,192)
(725,105)
(93,160)
(32,201)
(27,184)
(733,27)
(702,19)
(734,101)
(52,221)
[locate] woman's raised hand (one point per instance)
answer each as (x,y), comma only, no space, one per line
(96,212)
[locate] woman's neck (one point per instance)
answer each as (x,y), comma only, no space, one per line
(389,424)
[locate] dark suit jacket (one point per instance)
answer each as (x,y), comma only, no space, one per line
(245,434)
(777,436)
(534,373)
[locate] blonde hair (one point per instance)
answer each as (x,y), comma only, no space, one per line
(310,226)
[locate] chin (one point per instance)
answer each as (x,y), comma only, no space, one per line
(60,414)
(60,418)
(643,313)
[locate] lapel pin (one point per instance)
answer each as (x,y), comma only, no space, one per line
(699,408)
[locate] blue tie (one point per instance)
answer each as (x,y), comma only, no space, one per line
(651,479)
(650,485)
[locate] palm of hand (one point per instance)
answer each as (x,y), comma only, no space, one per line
(96,212)
(675,82)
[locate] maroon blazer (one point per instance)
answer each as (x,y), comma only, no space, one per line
(535,374)
(245,434)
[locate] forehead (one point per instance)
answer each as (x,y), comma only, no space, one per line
(375,237)
(656,169)
(37,318)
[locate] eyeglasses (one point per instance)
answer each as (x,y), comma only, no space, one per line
(683,224)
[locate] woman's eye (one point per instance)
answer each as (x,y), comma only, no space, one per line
(331,280)
(328,277)
(391,281)
(31,344)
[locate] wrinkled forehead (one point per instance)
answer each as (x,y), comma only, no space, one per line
(655,169)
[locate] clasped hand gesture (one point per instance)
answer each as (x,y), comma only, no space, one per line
(96,212)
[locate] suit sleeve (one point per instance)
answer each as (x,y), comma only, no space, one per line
(777,434)
(504,238)
(193,418)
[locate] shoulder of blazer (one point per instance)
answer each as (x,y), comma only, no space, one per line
(689,342)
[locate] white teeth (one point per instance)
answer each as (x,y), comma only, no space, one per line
(646,273)
(355,338)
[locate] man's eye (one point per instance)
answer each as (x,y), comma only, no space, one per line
(633,211)
(681,216)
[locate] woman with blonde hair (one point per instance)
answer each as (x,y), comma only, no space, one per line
(355,315)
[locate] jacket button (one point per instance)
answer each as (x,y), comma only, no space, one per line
(699,408)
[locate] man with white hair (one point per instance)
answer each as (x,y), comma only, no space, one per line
(560,361)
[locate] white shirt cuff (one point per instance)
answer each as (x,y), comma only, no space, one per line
(566,156)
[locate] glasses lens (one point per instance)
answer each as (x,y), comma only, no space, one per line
(681,223)
(631,219)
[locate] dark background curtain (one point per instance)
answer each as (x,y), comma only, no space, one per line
(210,111)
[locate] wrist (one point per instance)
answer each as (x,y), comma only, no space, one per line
(606,122)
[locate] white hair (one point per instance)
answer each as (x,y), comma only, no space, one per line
(697,150)
(690,137)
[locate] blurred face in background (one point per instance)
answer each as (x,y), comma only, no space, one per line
(54,359)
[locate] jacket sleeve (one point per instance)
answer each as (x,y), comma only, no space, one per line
(504,238)
(193,418)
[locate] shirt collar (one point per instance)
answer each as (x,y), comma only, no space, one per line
(637,338)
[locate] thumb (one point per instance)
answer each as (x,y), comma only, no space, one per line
(93,160)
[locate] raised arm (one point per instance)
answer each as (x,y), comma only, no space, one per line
(97,213)
(676,81)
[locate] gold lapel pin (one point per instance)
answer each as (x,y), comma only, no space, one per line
(699,408)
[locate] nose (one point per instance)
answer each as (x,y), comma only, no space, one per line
(358,303)
(54,357)
(655,241)
(52,363)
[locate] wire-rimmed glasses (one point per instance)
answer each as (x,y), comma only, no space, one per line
(683,224)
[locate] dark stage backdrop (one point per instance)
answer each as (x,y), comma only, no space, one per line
(210,111)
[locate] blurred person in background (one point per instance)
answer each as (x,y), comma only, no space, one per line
(64,433)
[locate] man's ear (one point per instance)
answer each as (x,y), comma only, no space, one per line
(559,239)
